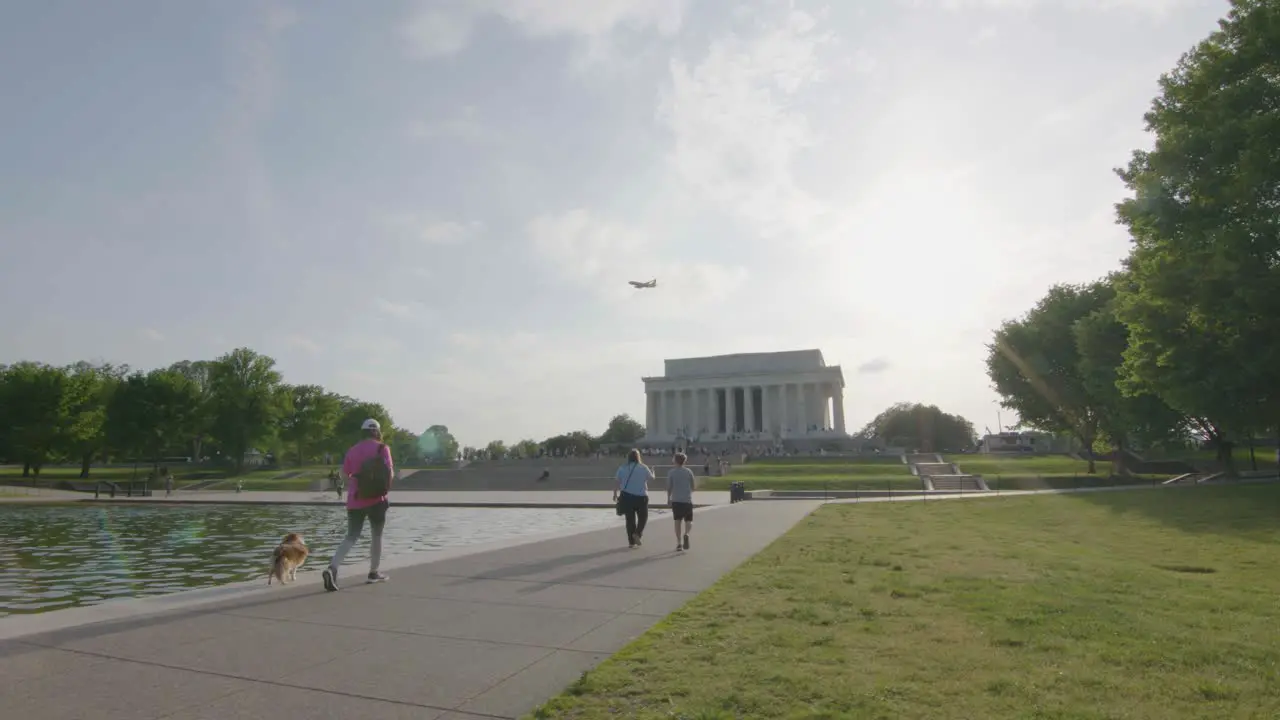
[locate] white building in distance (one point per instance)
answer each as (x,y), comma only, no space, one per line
(775,395)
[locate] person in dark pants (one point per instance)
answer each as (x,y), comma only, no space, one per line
(632,496)
(359,509)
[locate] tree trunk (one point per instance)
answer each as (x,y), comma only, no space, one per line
(84,464)
(1226,457)
(1253,461)
(1117,459)
(299,453)
(1088,450)
(26,468)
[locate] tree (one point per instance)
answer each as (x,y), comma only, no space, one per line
(354,412)
(197,373)
(622,430)
(404,446)
(496,449)
(1034,363)
(1124,418)
(89,389)
(150,413)
(244,401)
(578,442)
(307,418)
(1202,301)
(526,448)
(438,444)
(33,400)
(921,426)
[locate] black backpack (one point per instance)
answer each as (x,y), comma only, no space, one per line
(374,478)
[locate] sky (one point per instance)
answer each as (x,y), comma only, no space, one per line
(437,204)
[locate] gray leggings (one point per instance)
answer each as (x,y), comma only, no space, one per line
(355,525)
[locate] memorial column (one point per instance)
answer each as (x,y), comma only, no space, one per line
(649,405)
(784,405)
(802,389)
(730,410)
(748,409)
(839,409)
(680,421)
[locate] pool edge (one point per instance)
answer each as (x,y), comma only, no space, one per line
(15,627)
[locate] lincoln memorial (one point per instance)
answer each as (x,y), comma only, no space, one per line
(765,395)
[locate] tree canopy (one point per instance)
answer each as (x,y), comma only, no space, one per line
(924,427)
(1202,297)
(221,408)
(1183,339)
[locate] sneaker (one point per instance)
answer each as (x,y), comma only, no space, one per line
(377,577)
(679,548)
(686,541)
(330,578)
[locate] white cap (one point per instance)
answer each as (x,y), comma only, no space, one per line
(371,424)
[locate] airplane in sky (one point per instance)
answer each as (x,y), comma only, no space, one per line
(639,285)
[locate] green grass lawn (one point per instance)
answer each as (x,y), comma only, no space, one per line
(1265,457)
(802,469)
(1145,604)
(288,478)
(1025,465)
(817,473)
(812,482)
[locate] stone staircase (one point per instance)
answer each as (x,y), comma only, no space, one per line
(942,476)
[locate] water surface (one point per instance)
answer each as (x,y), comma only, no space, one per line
(55,557)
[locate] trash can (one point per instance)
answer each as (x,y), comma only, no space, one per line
(737,492)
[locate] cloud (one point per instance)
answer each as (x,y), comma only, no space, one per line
(874,366)
(581,247)
(152,334)
(1158,8)
(303,343)
(593,252)
(401,310)
(432,231)
(440,28)
(465,126)
(736,128)
(450,232)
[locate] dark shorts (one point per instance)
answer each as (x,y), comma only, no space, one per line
(682,511)
(377,516)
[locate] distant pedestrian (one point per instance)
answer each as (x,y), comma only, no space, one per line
(369,469)
(632,496)
(168,485)
(680,482)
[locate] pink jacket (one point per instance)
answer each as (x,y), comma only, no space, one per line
(356,456)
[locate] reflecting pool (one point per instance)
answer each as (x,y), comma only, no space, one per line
(55,557)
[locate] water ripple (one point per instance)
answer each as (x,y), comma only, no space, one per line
(55,557)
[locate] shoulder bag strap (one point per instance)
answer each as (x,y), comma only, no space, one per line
(627,483)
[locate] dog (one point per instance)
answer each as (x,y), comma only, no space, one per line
(287,558)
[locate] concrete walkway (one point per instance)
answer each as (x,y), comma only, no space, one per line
(490,635)
(418,498)
(14,494)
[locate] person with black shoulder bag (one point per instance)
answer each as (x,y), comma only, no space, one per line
(632,496)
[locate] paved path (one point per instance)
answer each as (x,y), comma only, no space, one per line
(491,635)
(15,494)
(425,498)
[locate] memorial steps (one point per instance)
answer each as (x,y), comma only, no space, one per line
(943,476)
